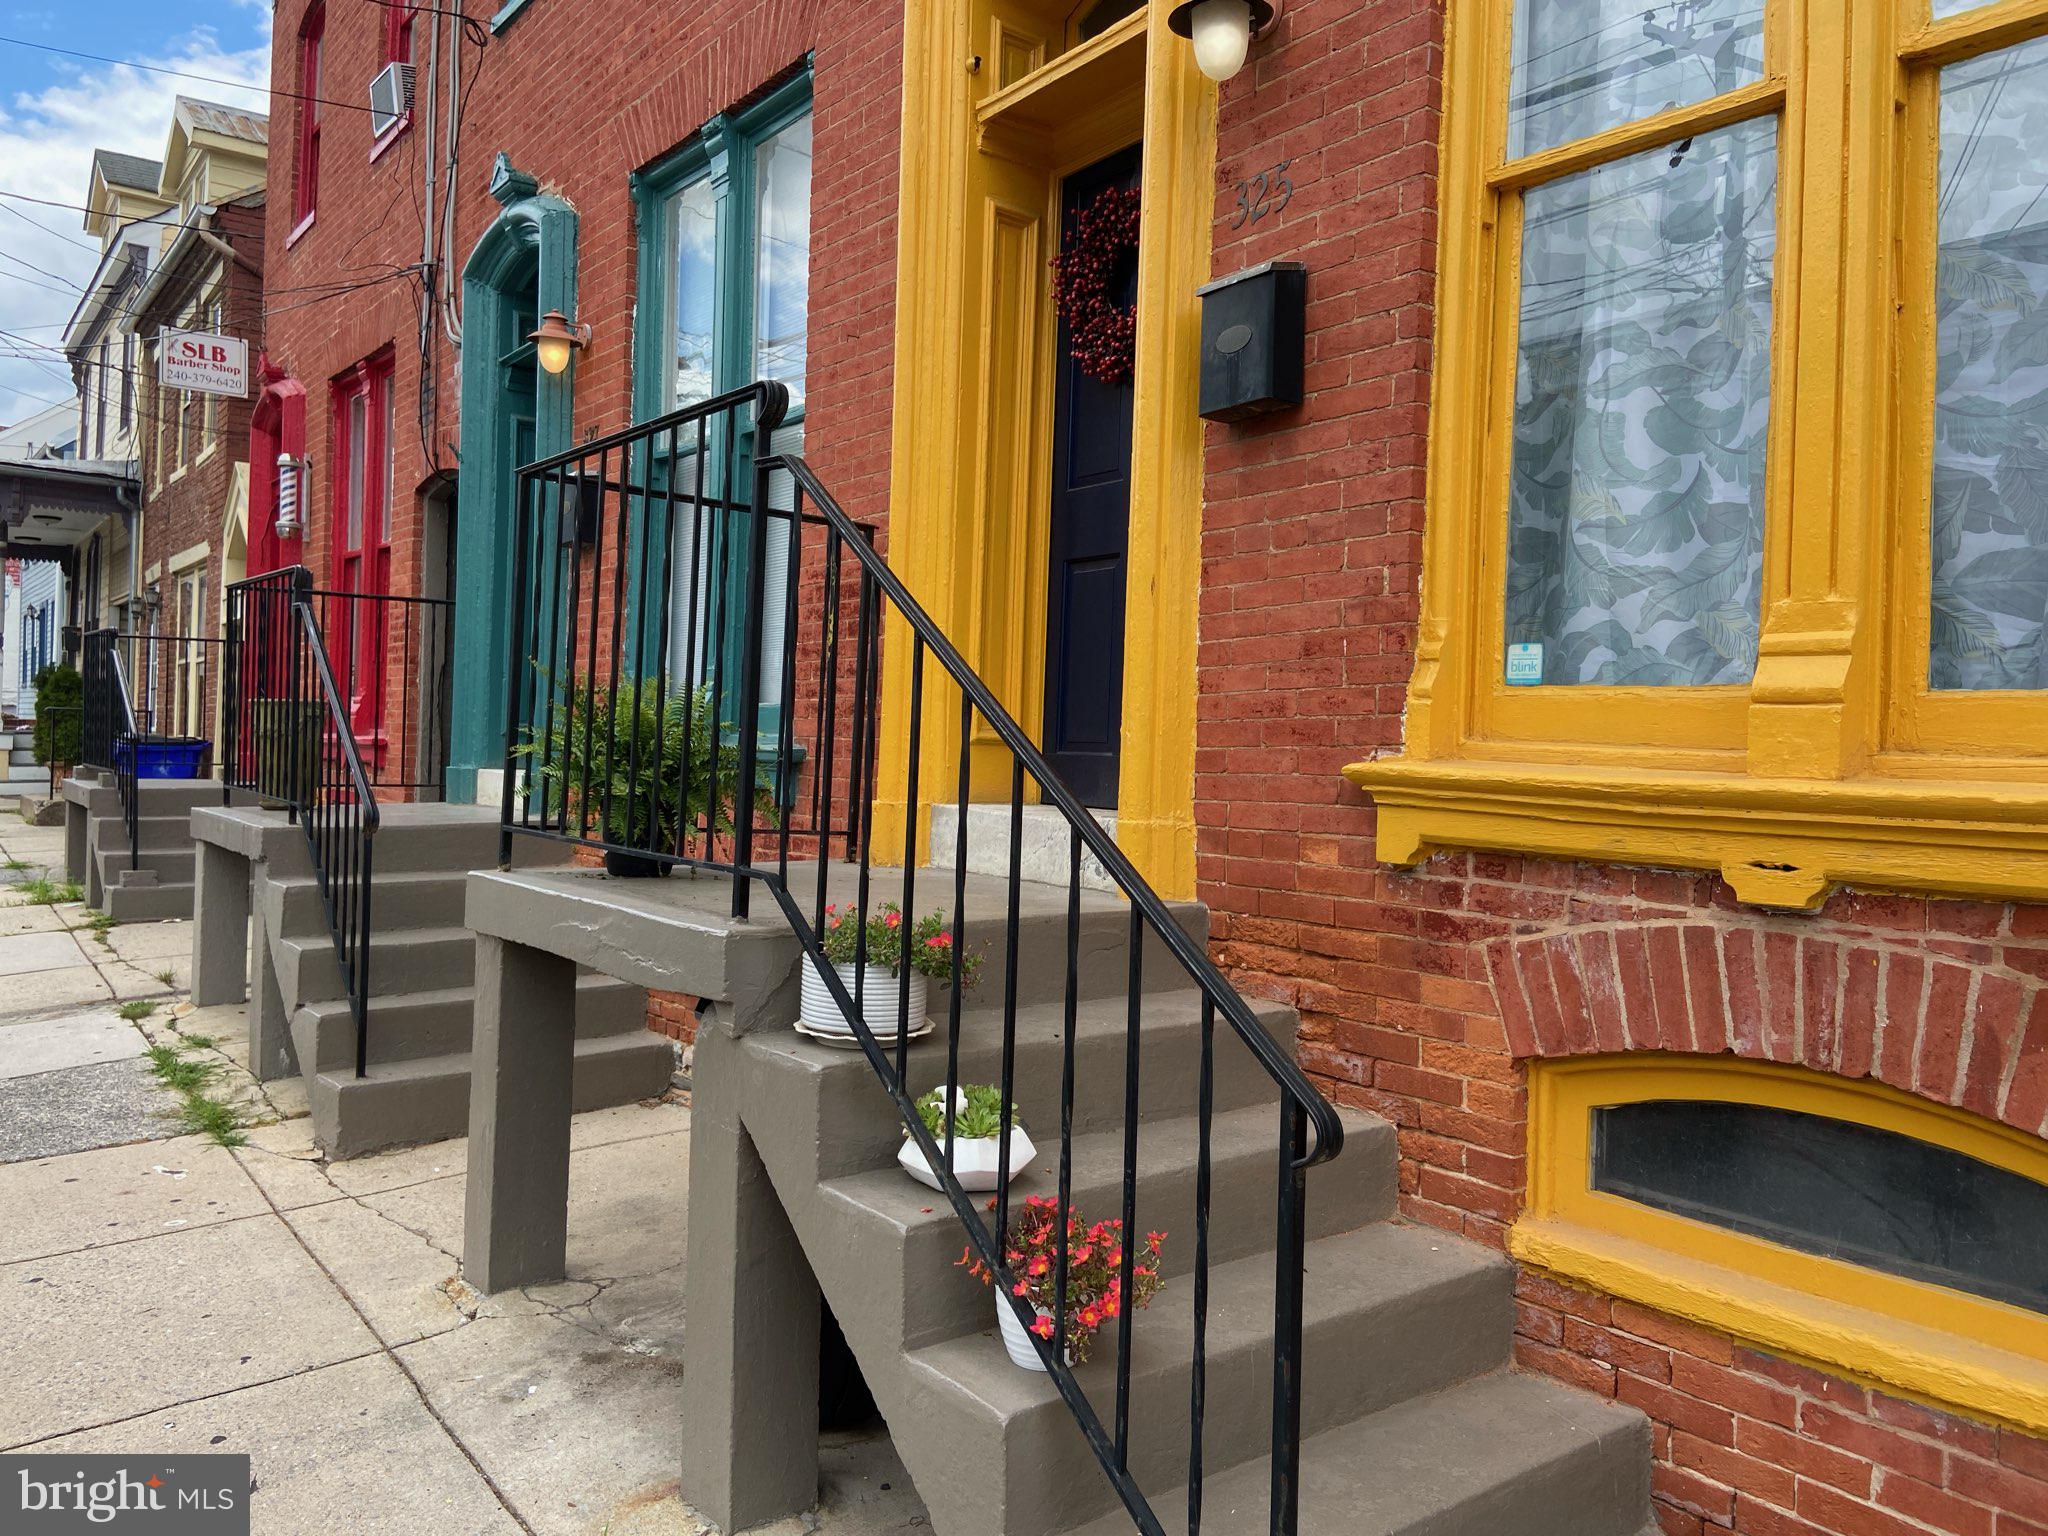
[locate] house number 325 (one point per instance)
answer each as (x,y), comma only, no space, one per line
(1267,192)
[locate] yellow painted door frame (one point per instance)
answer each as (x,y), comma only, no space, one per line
(998,104)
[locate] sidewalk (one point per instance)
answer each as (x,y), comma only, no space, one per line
(162,1292)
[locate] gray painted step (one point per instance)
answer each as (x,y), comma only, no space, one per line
(1503,1454)
(399,899)
(1169,1056)
(146,903)
(408,1026)
(401,960)
(401,1103)
(906,1236)
(1390,1313)
(171,866)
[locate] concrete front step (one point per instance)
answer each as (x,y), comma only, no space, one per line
(909,1237)
(398,899)
(171,866)
(401,1103)
(1046,845)
(1503,1454)
(146,903)
(411,1025)
(401,960)
(1391,1313)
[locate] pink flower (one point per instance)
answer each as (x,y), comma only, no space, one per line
(1043,1327)
(893,919)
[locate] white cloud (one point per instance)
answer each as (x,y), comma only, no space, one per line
(46,142)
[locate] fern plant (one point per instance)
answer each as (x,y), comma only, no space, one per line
(617,761)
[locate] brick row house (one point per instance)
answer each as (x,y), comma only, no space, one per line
(193,447)
(1601,692)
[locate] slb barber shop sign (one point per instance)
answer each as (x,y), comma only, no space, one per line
(209,364)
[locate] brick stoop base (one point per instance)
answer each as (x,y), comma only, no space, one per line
(1749,1443)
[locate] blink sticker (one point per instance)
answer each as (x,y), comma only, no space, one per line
(1525,664)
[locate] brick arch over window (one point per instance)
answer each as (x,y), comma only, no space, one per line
(727,63)
(1961,1022)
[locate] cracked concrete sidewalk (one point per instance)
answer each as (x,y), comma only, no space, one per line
(160,1292)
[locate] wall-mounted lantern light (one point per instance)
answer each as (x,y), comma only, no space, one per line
(1222,31)
(557,340)
(291,474)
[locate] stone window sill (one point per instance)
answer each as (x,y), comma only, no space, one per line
(1779,842)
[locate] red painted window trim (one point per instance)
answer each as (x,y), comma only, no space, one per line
(306,183)
(398,19)
(365,565)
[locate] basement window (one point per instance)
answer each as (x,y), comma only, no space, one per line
(1883,1236)
(1823,1186)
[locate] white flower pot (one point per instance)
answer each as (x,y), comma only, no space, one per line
(975,1163)
(879,995)
(1023,1353)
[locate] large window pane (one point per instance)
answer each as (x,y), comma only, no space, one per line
(1989,618)
(782,259)
(1824,1186)
(1642,392)
(1583,65)
(693,238)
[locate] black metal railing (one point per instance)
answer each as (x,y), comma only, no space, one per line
(108,712)
(631,550)
(323,740)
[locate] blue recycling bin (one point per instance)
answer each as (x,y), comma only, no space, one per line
(162,757)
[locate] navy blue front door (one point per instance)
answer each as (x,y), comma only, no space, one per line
(1090,538)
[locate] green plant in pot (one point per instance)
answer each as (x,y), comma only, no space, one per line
(60,715)
(614,762)
(886,965)
(977,1132)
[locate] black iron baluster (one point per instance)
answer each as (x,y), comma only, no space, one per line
(1012,958)
(828,726)
(1292,1243)
(957,942)
(1198,1379)
(906,919)
(1129,1314)
(606,821)
(1069,1015)
(785,709)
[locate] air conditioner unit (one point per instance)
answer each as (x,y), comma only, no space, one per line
(390,98)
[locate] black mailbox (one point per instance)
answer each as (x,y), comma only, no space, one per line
(582,506)
(1253,324)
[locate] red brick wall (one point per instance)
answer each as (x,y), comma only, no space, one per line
(581,107)
(1423,994)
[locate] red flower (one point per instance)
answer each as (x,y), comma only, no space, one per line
(1043,1327)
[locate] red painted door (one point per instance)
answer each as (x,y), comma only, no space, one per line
(355,619)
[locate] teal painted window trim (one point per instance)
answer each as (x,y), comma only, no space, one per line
(721,155)
(508,13)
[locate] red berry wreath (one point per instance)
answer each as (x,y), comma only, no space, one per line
(1103,334)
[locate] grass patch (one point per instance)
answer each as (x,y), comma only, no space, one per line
(189,1076)
(201,1042)
(139,1008)
(16,866)
(45,892)
(102,926)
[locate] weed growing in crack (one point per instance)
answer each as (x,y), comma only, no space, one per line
(201,1042)
(45,892)
(15,866)
(136,1010)
(190,1077)
(102,926)
(168,977)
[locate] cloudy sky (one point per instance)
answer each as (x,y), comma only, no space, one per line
(54,111)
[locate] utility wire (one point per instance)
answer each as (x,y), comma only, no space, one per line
(185,74)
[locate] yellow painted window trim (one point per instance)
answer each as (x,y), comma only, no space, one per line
(1778,842)
(1897,787)
(1927,1342)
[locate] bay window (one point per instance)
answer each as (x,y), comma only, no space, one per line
(1736,552)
